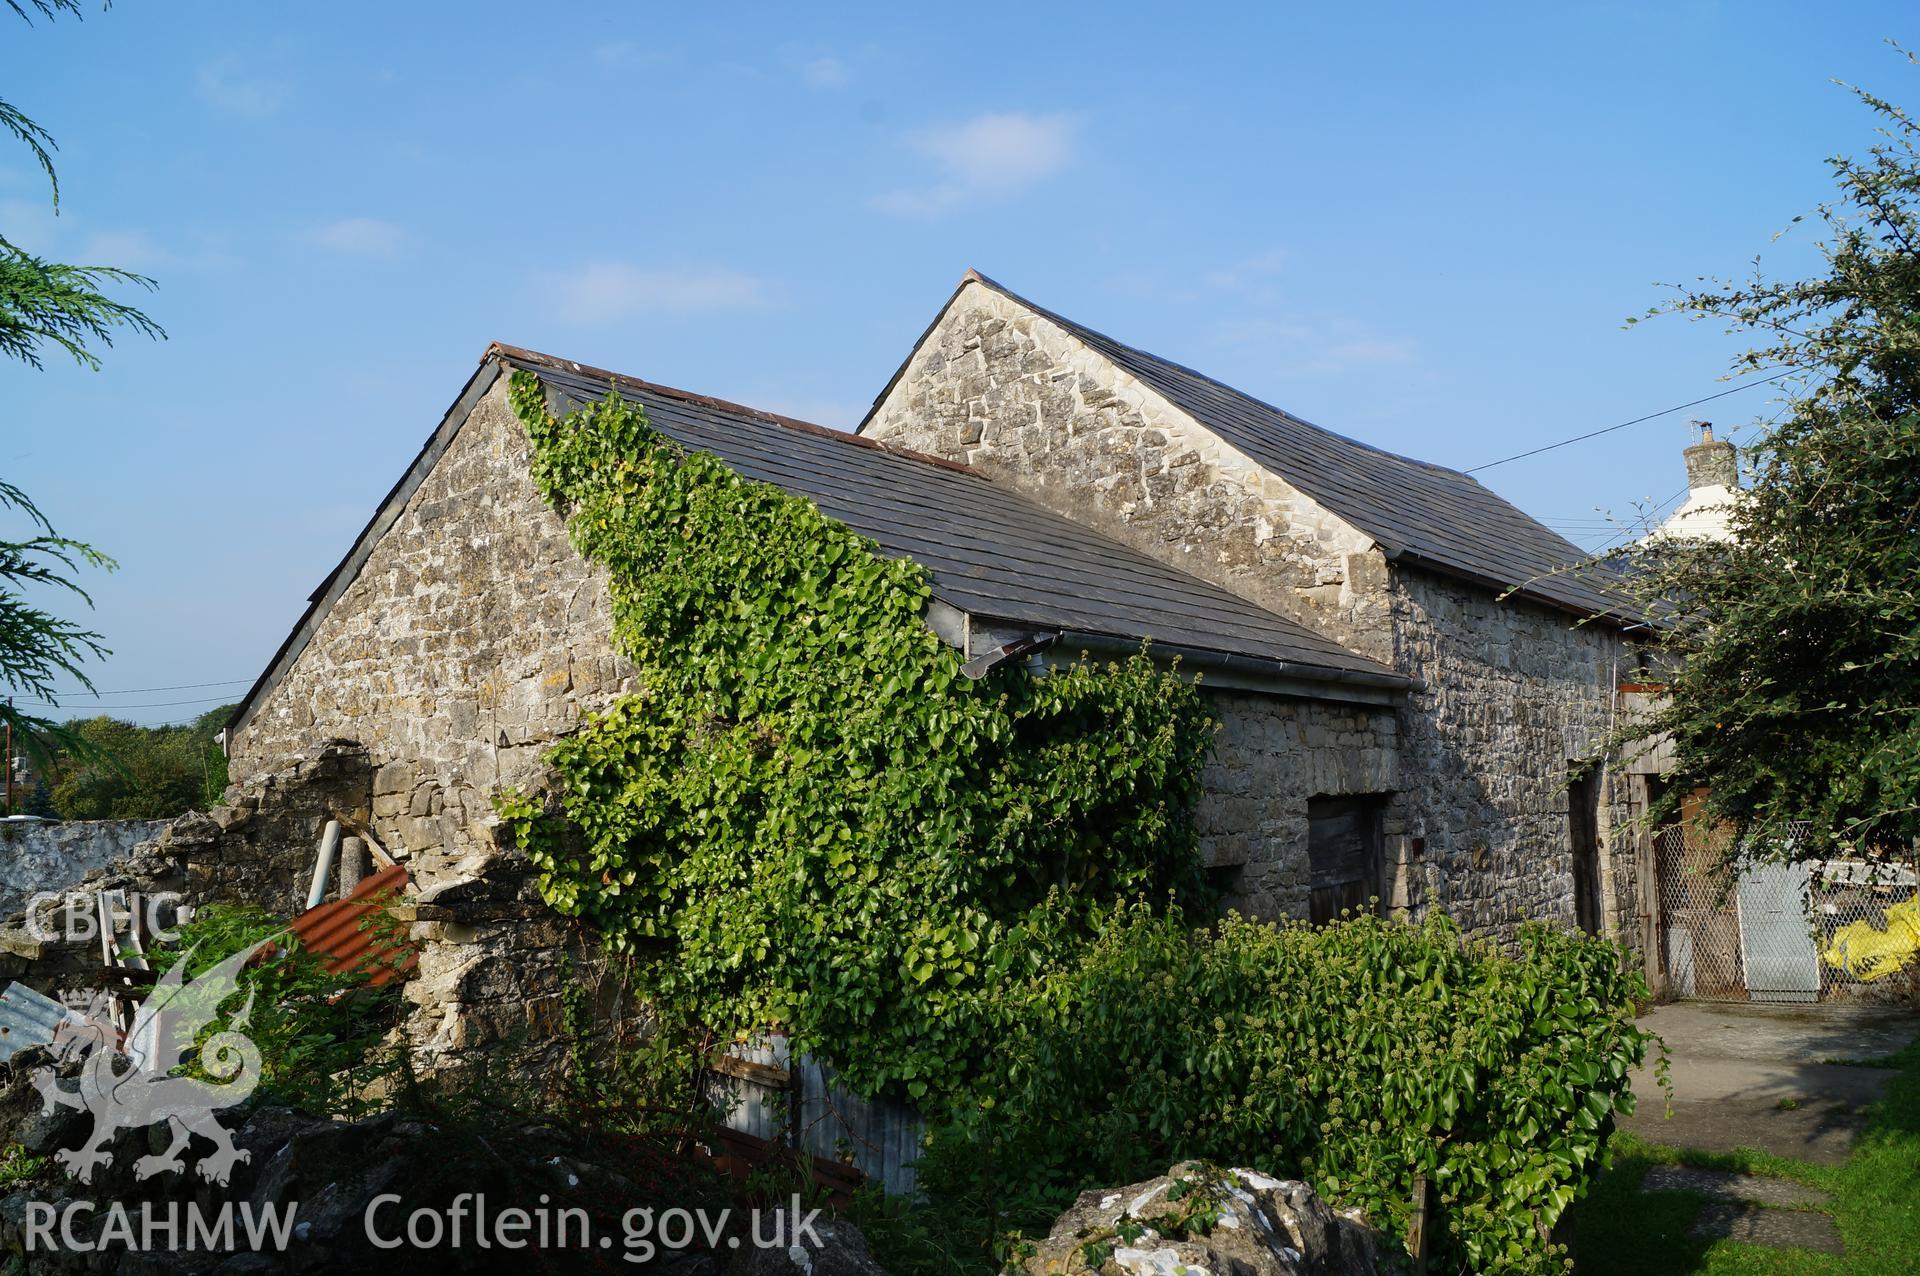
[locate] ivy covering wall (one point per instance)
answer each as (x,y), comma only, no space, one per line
(808,816)
(983,894)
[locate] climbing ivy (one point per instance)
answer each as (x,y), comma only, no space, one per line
(807,816)
(976,893)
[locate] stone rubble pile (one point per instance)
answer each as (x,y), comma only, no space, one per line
(1196,1220)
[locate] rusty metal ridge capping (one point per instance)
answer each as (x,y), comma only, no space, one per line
(519,355)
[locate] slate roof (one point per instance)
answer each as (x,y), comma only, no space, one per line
(1415,511)
(991,551)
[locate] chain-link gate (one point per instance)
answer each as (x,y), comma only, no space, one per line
(1866,921)
(1785,930)
(1699,916)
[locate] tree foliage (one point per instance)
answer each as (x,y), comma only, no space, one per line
(50,304)
(37,648)
(1794,647)
(47,304)
(126,772)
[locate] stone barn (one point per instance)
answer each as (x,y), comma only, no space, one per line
(1407,700)
(1511,650)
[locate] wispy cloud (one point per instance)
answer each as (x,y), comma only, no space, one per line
(31,226)
(125,249)
(359,237)
(242,86)
(1248,273)
(984,158)
(1320,348)
(602,291)
(825,73)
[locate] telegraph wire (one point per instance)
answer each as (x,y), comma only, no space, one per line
(179,686)
(84,703)
(1594,434)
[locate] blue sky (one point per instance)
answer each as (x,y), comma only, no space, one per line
(1419,225)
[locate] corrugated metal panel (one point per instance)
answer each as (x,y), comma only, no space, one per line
(882,1137)
(755,1107)
(802,1102)
(28,1018)
(342,929)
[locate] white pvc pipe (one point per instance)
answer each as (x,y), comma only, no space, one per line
(323,867)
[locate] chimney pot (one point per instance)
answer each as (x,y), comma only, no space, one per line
(1711,462)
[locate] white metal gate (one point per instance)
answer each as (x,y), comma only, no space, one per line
(1776,941)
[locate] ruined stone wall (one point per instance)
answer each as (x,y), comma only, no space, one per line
(37,857)
(1511,692)
(1270,755)
(1017,397)
(473,637)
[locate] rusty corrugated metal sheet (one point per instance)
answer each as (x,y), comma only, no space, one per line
(341,931)
(27,1018)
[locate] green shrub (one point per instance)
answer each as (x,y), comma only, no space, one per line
(115,770)
(1355,1056)
(318,1032)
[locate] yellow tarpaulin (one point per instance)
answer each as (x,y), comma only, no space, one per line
(1868,953)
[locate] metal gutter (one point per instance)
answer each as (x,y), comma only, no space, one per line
(972,634)
(1252,673)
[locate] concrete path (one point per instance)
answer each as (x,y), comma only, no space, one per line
(1759,1076)
(1776,1213)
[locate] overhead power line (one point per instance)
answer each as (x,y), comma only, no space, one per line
(85,703)
(1594,434)
(141,691)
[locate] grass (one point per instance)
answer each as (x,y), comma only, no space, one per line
(1875,1203)
(17,1167)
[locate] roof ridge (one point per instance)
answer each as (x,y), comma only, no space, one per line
(1074,325)
(1460,526)
(520,354)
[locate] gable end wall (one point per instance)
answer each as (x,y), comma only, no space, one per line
(473,636)
(1510,691)
(1016,396)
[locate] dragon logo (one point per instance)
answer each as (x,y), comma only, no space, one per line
(164,1039)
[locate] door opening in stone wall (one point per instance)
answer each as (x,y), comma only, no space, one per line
(1343,854)
(1583,828)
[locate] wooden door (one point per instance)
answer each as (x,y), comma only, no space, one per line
(1343,852)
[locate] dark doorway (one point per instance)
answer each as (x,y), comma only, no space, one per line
(1343,852)
(1583,827)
